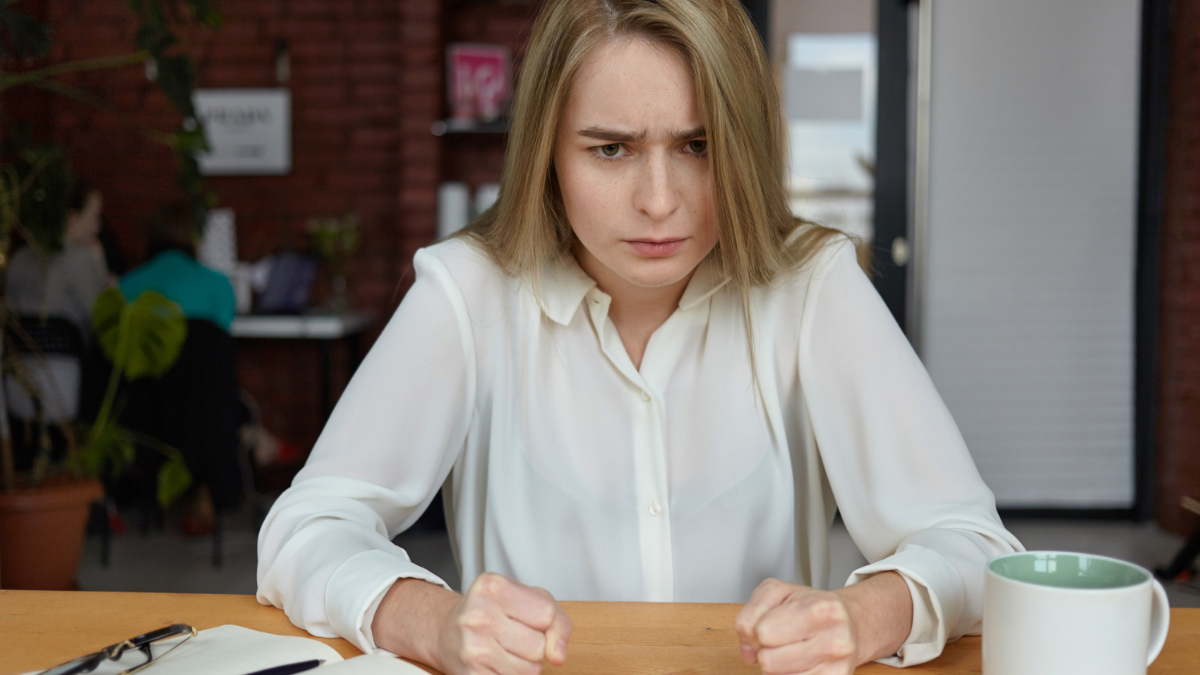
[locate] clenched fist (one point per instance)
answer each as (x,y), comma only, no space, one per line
(501,627)
(787,628)
(796,629)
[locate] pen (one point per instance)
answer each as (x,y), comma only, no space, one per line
(290,668)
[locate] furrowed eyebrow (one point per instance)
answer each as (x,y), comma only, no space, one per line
(615,136)
(612,135)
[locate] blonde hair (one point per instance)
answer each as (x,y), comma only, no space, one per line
(758,237)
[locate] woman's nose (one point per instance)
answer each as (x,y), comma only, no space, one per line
(657,194)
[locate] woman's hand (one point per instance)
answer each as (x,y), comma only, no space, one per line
(787,628)
(502,627)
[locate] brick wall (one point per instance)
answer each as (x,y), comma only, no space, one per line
(1179,354)
(366,83)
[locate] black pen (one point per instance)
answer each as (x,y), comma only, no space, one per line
(290,668)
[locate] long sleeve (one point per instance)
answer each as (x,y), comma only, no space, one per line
(325,550)
(898,467)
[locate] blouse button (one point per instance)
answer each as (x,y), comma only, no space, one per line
(646,397)
(654,509)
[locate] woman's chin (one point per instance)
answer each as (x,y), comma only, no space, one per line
(657,272)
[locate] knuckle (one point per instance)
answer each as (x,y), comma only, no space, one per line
(742,625)
(489,583)
(473,652)
(475,618)
(767,632)
(830,608)
(839,648)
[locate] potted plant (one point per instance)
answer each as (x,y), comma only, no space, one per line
(142,339)
(336,239)
(44,511)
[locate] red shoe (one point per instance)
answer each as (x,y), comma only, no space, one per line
(116,524)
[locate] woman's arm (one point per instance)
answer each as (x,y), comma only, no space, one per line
(325,551)
(898,467)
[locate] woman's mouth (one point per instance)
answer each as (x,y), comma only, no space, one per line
(656,248)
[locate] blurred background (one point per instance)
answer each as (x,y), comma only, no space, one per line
(1025,173)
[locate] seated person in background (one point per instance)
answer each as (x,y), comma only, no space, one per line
(171,268)
(66,283)
(51,296)
(193,406)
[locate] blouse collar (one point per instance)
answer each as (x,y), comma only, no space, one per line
(565,284)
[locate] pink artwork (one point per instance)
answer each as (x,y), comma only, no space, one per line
(478,81)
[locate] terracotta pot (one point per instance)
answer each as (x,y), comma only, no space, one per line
(41,533)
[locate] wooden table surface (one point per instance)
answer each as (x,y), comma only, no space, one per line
(39,629)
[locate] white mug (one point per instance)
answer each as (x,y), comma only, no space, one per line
(1063,613)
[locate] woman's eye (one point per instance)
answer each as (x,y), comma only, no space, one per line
(610,150)
(698,147)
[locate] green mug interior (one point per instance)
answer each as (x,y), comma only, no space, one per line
(1068,570)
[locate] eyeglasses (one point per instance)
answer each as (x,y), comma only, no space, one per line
(141,645)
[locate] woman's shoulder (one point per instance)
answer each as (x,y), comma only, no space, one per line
(814,264)
(463,262)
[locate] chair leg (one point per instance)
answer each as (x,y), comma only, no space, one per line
(216,554)
(1183,559)
(106,537)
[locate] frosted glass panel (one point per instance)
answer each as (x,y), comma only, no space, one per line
(1027,315)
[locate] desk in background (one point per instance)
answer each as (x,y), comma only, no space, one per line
(39,629)
(324,328)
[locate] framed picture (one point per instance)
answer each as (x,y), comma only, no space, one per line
(479,81)
(249,131)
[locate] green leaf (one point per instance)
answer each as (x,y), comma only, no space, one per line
(142,338)
(111,447)
(177,80)
(106,320)
(173,479)
(206,12)
(22,36)
(154,39)
(46,171)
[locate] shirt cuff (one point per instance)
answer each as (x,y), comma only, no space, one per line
(357,587)
(937,597)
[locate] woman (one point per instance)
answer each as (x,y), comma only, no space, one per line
(639,378)
(64,286)
(171,268)
(67,283)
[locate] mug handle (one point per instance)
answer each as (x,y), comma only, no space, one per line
(1160,619)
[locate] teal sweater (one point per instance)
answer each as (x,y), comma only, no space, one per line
(203,293)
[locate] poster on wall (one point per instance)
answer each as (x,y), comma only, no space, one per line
(479,81)
(249,131)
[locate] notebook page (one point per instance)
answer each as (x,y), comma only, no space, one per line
(368,665)
(235,650)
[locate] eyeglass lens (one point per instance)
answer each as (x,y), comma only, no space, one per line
(130,656)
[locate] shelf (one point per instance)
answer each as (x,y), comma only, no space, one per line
(452,126)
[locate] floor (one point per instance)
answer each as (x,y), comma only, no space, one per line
(169,562)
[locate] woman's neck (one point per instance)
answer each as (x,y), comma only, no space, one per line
(636,311)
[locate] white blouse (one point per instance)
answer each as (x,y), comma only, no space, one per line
(566,467)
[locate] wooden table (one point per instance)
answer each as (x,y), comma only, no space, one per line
(39,629)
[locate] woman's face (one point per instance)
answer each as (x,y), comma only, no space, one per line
(632,165)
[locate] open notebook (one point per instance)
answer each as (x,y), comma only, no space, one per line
(234,650)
